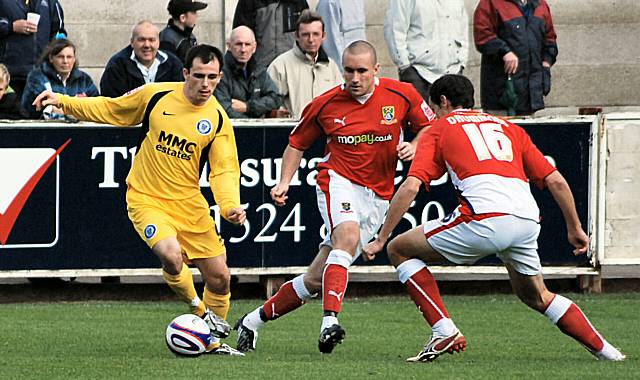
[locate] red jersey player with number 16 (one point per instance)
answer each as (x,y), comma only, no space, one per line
(362,122)
(490,162)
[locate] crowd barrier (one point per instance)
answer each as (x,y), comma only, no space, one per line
(74,220)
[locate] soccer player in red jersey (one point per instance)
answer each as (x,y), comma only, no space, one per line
(490,162)
(362,121)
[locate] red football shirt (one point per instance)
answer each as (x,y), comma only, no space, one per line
(489,160)
(362,137)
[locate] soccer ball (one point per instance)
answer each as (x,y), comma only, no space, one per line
(188,335)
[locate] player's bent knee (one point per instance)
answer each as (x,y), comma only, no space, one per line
(221,277)
(170,255)
(346,236)
(171,263)
(218,282)
(348,244)
(395,252)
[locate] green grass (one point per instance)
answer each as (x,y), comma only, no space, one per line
(112,340)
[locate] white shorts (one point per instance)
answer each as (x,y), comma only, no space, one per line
(340,200)
(465,239)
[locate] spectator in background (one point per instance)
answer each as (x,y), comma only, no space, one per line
(58,71)
(344,22)
(427,39)
(177,37)
(305,71)
(22,41)
(139,63)
(9,102)
(273,22)
(517,41)
(246,90)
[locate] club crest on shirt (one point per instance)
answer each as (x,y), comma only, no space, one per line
(388,115)
(150,231)
(346,208)
(203,127)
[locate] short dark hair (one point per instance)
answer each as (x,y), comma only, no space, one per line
(205,52)
(307,17)
(56,46)
(457,88)
(361,47)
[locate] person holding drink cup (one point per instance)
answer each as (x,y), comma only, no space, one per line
(27,26)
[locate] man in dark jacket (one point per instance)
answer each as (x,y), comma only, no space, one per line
(517,39)
(273,22)
(21,41)
(140,63)
(177,37)
(246,90)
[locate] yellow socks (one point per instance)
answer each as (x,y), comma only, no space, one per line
(218,303)
(182,285)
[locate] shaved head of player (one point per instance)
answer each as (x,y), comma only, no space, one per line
(363,122)
(360,66)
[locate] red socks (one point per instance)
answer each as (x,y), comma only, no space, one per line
(423,290)
(284,301)
(334,279)
(572,321)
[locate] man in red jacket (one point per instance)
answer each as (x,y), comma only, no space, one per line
(517,40)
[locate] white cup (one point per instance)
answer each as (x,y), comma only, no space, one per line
(33,17)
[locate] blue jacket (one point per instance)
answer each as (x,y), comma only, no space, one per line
(122,75)
(44,77)
(21,52)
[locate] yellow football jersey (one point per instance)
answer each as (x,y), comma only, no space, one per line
(175,136)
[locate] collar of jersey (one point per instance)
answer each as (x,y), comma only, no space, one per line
(363,99)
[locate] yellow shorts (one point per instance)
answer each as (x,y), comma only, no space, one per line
(188,220)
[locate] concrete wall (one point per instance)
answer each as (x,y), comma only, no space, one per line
(100,28)
(598,64)
(622,193)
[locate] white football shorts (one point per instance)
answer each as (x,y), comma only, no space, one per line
(465,239)
(340,200)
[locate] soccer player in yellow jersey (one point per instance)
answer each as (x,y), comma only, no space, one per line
(183,126)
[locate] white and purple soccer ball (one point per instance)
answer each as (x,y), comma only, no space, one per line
(188,335)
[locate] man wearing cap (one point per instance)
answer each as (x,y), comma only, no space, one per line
(177,37)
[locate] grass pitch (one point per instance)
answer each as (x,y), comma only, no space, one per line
(113,340)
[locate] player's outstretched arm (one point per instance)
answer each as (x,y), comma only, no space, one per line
(399,205)
(46,97)
(290,163)
(564,197)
